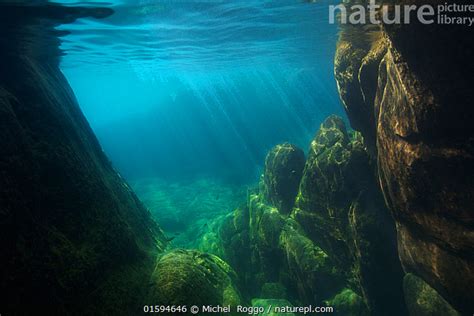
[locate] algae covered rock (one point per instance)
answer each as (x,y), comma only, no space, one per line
(420,125)
(267,306)
(189,277)
(228,238)
(423,300)
(273,290)
(348,303)
(356,72)
(341,209)
(283,169)
(334,175)
(425,170)
(74,237)
(266,224)
(347,63)
(312,274)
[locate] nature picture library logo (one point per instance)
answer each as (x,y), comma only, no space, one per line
(373,13)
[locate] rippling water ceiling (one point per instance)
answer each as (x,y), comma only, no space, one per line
(182,88)
(201,35)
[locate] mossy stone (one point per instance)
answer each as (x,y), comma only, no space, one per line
(283,169)
(313,273)
(348,303)
(273,290)
(269,305)
(423,300)
(189,277)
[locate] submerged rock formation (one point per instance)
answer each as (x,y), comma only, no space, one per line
(188,277)
(341,209)
(74,237)
(283,170)
(419,120)
(337,245)
(423,300)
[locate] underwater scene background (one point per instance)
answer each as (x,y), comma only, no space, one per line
(188,97)
(242,157)
(202,88)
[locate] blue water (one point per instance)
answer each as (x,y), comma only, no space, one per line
(189,89)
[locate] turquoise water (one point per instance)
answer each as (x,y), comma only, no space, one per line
(180,89)
(190,92)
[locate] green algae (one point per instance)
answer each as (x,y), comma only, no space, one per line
(283,170)
(189,277)
(423,300)
(327,250)
(273,290)
(348,303)
(268,305)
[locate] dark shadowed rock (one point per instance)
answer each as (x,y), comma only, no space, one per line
(74,237)
(341,209)
(313,275)
(425,180)
(283,169)
(422,121)
(348,303)
(423,300)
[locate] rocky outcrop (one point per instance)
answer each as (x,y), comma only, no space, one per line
(189,277)
(74,237)
(341,209)
(310,273)
(336,245)
(283,170)
(228,237)
(421,124)
(348,303)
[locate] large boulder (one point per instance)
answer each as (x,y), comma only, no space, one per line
(74,237)
(189,277)
(421,124)
(427,183)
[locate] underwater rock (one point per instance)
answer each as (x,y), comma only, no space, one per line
(312,274)
(348,303)
(189,277)
(273,290)
(356,66)
(270,304)
(423,133)
(423,300)
(341,209)
(211,241)
(329,185)
(347,63)
(266,224)
(339,234)
(228,237)
(435,234)
(74,237)
(283,169)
